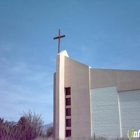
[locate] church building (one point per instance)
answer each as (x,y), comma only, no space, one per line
(94,102)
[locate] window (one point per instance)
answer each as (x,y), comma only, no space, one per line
(68,101)
(68,122)
(68,133)
(68,91)
(68,111)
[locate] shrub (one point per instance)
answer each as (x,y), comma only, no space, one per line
(28,127)
(50,132)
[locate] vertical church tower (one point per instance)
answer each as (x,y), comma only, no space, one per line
(71,98)
(59,96)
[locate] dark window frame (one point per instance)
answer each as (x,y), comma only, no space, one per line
(68,122)
(68,133)
(68,101)
(68,111)
(68,91)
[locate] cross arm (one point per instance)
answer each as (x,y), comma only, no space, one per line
(59,37)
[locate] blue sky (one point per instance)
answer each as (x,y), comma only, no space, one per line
(99,33)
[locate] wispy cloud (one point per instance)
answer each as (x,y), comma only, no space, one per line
(20,98)
(33,91)
(2,59)
(21,67)
(37,76)
(5,46)
(2,81)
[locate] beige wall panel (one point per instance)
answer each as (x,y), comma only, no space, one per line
(128,80)
(103,78)
(56,96)
(77,77)
(124,79)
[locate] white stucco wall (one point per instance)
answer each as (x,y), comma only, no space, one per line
(130,110)
(105,114)
(59,96)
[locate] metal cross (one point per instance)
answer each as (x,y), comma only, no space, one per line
(58,37)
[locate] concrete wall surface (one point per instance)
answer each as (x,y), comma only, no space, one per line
(59,96)
(124,79)
(77,77)
(130,111)
(105,113)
